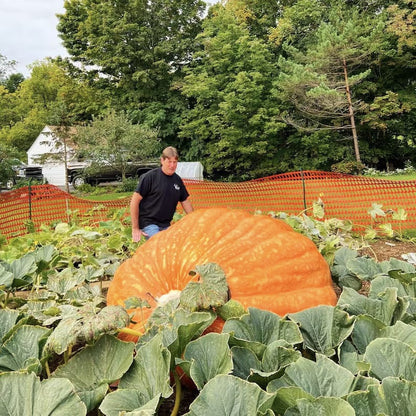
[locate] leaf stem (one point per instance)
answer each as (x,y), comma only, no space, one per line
(130,331)
(47,369)
(178,394)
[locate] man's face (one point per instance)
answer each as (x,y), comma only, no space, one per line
(169,165)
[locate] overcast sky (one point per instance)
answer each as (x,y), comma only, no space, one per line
(28,31)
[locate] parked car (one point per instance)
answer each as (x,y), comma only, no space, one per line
(22,172)
(81,173)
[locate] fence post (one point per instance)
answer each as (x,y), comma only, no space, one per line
(304,192)
(30,199)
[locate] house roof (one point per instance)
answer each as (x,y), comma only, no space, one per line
(55,130)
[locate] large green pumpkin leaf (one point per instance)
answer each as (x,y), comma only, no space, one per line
(95,367)
(207,357)
(365,268)
(44,256)
(65,335)
(259,328)
(387,308)
(64,281)
(88,235)
(402,332)
(227,395)
(210,292)
(8,319)
(23,267)
(340,271)
(25,395)
(150,372)
(185,327)
(379,285)
(22,270)
(391,357)
(323,328)
(108,320)
(400,396)
(244,360)
(366,329)
(85,326)
(6,278)
(286,397)
(321,378)
(400,265)
(348,356)
(23,349)
(128,402)
(322,406)
(277,356)
(393,397)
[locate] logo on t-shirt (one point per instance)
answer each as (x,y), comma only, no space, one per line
(177,187)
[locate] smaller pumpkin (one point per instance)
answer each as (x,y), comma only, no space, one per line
(267,264)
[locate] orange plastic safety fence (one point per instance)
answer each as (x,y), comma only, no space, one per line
(47,204)
(345,197)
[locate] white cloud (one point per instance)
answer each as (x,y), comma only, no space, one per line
(28,31)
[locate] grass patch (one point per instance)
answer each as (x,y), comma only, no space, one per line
(394,176)
(102,193)
(107,196)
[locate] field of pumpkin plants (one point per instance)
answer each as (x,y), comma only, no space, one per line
(81,333)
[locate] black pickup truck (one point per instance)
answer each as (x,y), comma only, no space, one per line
(22,172)
(80,173)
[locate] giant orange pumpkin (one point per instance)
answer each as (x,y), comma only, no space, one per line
(267,264)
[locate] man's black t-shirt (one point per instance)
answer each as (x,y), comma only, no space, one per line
(161,194)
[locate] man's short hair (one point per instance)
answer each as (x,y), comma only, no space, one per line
(169,152)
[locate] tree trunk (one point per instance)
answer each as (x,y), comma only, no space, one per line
(66,164)
(351,112)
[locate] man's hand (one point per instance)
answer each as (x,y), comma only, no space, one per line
(137,235)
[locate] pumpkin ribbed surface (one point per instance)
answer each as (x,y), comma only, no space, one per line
(267,264)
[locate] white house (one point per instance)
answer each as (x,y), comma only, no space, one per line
(49,151)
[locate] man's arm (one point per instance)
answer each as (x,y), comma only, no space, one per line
(187,206)
(134,214)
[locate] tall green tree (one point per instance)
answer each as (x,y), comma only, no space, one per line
(378,68)
(320,80)
(12,82)
(232,125)
(8,155)
(112,139)
(36,100)
(138,48)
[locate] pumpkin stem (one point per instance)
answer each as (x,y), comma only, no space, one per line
(130,331)
(178,394)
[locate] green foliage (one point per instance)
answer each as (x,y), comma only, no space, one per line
(232,124)
(146,46)
(274,364)
(210,292)
(348,167)
(231,87)
(128,185)
(8,156)
(113,140)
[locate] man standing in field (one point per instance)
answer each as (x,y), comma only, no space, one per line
(158,192)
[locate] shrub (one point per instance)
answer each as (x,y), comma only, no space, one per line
(128,185)
(348,167)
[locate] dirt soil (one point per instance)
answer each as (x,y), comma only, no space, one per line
(382,250)
(385,250)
